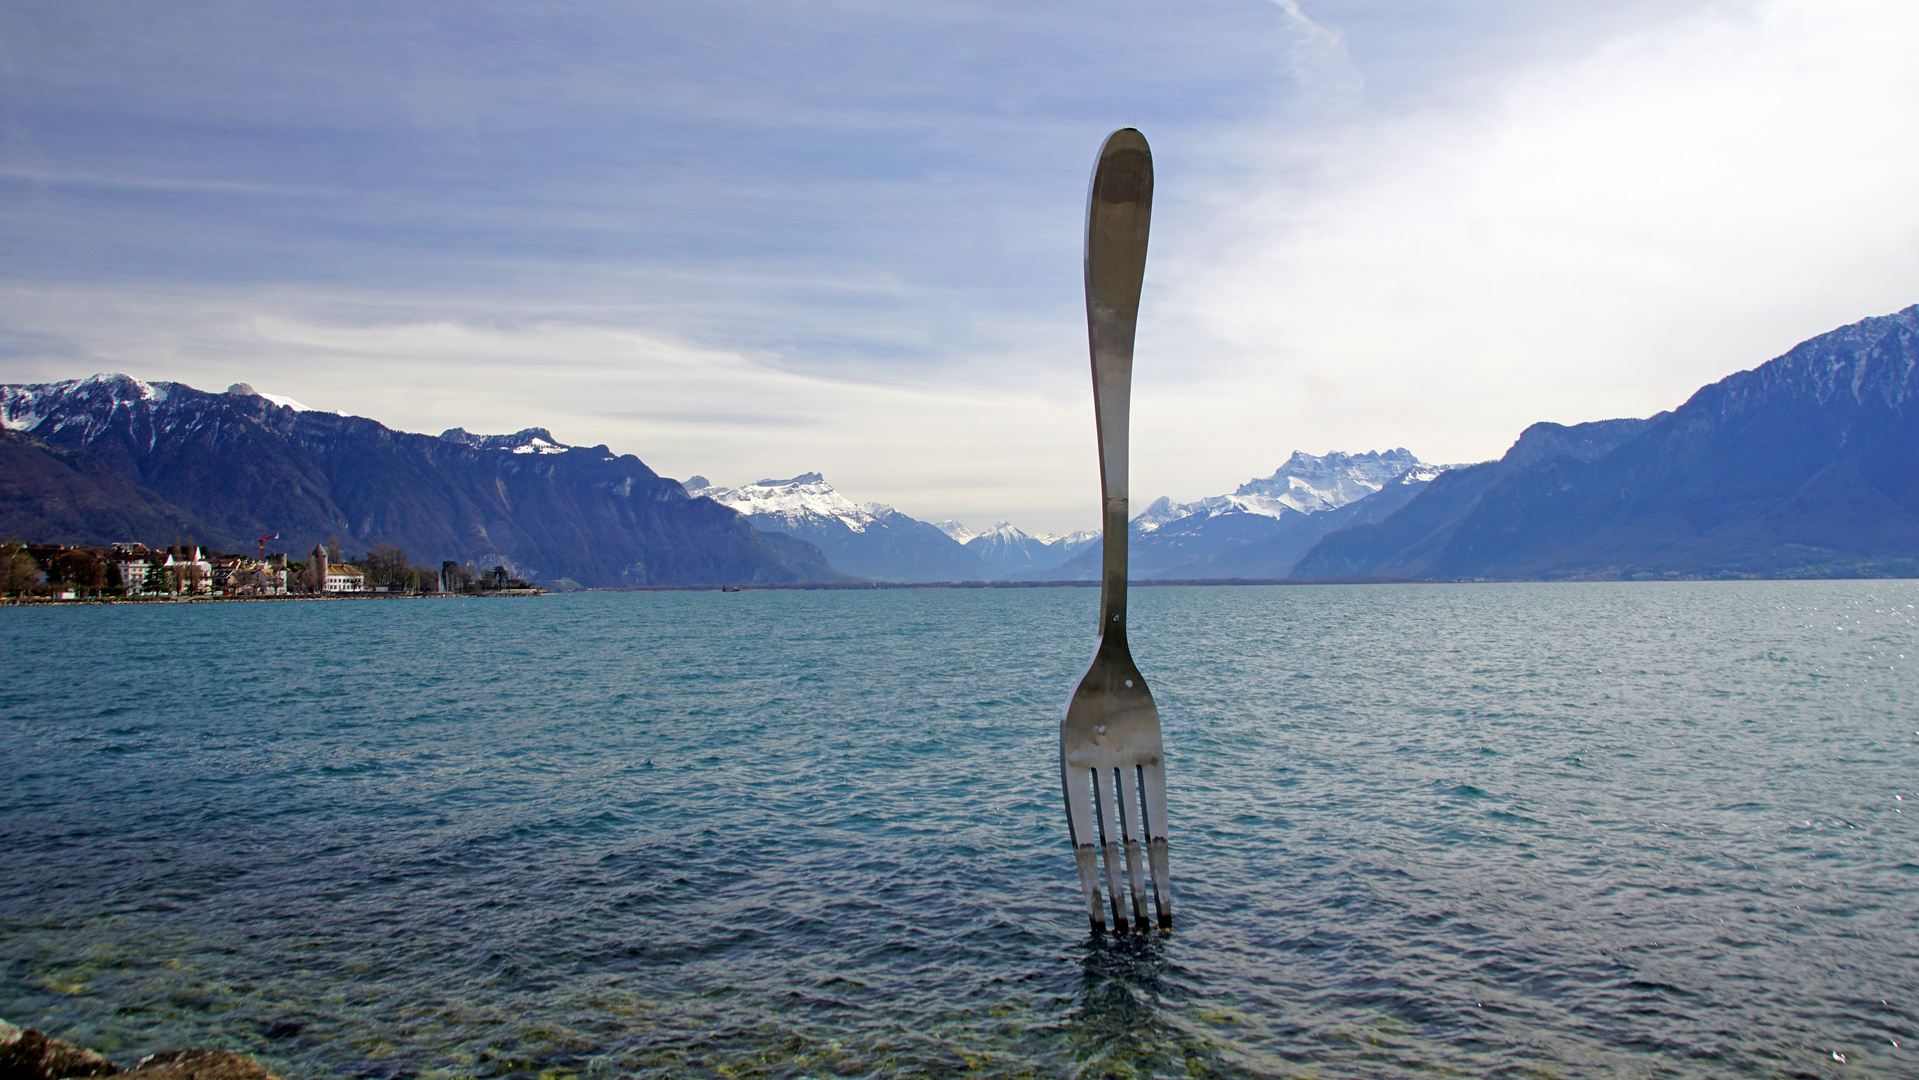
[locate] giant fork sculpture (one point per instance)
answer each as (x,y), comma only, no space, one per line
(1111,760)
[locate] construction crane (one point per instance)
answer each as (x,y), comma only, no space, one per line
(263,545)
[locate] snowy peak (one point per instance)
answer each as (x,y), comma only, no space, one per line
(98,402)
(23,407)
(1007,531)
(960,534)
(533,440)
(1419,474)
(1305,484)
(1007,548)
(241,389)
(1311,484)
(869,540)
(1161,511)
(793,502)
(1071,543)
(1011,548)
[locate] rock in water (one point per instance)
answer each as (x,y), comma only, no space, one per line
(198,1065)
(26,1054)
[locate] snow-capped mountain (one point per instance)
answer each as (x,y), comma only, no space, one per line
(960,533)
(25,406)
(1267,524)
(1305,484)
(1012,549)
(871,540)
(796,503)
(533,440)
(1071,543)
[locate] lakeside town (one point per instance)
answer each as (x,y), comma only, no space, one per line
(132,571)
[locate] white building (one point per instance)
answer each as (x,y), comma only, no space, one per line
(188,570)
(342,578)
(133,572)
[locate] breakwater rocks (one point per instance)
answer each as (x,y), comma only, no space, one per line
(26,1054)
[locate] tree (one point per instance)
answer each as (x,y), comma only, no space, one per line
(387,565)
(19,573)
(156,579)
(79,568)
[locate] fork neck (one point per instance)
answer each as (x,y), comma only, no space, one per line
(1112,583)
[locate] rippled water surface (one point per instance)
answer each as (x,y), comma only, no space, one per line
(1633,830)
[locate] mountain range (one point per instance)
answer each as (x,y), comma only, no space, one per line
(870,540)
(110,458)
(878,542)
(1807,465)
(1266,525)
(1011,549)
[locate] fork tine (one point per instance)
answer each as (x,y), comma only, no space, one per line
(1103,800)
(1084,832)
(1127,780)
(1153,787)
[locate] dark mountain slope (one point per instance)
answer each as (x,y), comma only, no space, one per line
(246,467)
(1807,465)
(59,496)
(1406,543)
(1177,549)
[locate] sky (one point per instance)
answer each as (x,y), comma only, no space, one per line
(749,240)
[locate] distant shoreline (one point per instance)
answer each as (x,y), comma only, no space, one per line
(864,586)
(31,601)
(1148,583)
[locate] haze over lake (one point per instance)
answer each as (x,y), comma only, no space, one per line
(1636,829)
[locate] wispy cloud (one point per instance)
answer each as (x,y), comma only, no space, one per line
(932,447)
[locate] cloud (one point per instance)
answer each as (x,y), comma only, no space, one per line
(1315,55)
(933,447)
(1598,238)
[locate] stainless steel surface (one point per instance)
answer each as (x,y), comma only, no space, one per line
(1111,760)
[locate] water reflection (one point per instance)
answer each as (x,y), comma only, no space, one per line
(1126,1019)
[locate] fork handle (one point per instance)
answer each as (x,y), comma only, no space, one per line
(1119,209)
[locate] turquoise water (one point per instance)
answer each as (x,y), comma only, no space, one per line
(1634,830)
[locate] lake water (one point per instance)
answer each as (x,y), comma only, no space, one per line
(1631,830)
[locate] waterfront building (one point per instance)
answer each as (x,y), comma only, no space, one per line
(343,578)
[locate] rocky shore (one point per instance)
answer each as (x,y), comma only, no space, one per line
(26,1054)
